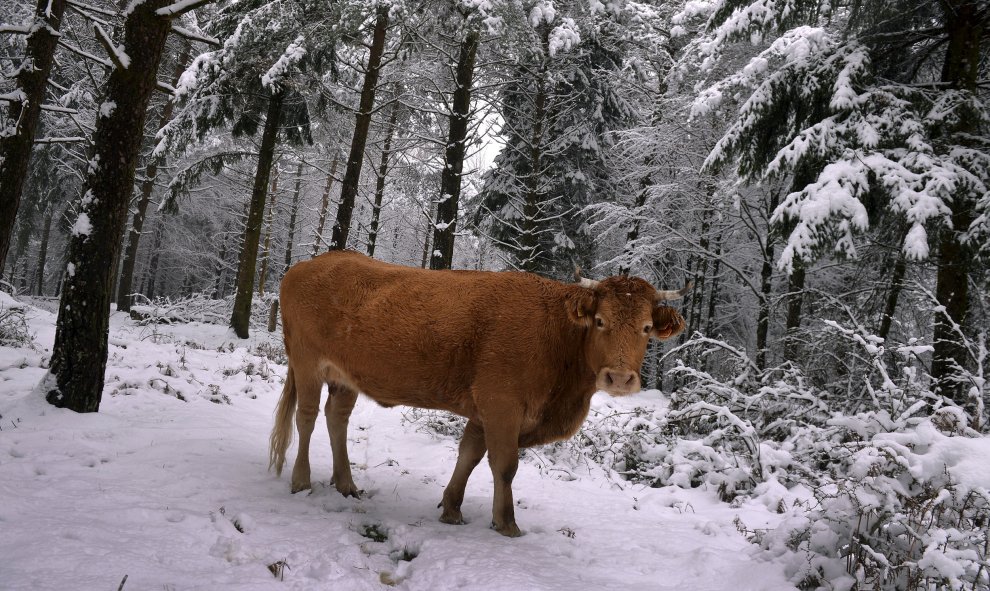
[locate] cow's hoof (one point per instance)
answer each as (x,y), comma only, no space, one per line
(510,531)
(349,491)
(452,516)
(301,486)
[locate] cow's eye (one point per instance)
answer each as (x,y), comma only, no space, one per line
(599,322)
(647,329)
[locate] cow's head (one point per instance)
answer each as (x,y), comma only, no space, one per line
(620,315)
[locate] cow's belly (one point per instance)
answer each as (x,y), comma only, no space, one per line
(389,382)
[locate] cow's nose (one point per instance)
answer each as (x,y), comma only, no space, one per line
(619,377)
(618,381)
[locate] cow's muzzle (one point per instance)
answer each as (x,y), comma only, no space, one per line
(618,381)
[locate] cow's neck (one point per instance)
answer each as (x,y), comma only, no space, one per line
(567,405)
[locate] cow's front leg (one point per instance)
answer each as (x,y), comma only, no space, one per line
(502,438)
(470,452)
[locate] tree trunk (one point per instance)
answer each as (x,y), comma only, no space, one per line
(124,286)
(273,312)
(529,241)
(241,318)
(266,248)
(31,82)
(426,241)
(292,218)
(352,174)
(896,284)
(318,237)
(965,27)
(156,255)
(795,298)
(218,286)
(766,287)
(39,274)
(25,229)
(450,179)
(698,295)
(376,210)
(713,290)
(80,353)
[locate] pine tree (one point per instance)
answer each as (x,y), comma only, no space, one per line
(858,101)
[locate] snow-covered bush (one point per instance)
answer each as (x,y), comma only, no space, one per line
(14,330)
(899,503)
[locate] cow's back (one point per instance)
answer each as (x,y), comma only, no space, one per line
(415,337)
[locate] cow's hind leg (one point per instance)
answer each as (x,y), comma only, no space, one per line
(470,452)
(340,403)
(308,393)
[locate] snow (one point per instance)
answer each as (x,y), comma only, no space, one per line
(564,36)
(168,485)
(107,108)
(82,227)
(293,54)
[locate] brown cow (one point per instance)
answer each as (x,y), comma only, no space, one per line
(516,354)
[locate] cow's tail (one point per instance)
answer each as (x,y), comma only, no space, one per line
(281,435)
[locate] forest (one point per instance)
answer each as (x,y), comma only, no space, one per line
(817,170)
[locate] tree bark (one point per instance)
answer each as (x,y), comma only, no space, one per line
(450,179)
(241,318)
(124,286)
(31,81)
(352,174)
(376,210)
(965,28)
(325,206)
(80,353)
(39,273)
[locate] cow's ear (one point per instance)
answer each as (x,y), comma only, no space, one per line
(581,306)
(667,322)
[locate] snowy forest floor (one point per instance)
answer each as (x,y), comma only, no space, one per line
(168,484)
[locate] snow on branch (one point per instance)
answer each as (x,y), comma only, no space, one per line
(7,29)
(61,140)
(181,7)
(292,55)
(195,36)
(120,59)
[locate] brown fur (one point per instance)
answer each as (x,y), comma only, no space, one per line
(518,355)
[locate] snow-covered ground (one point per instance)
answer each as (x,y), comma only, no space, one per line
(168,485)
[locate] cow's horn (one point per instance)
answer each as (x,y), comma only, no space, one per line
(584,281)
(674,294)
